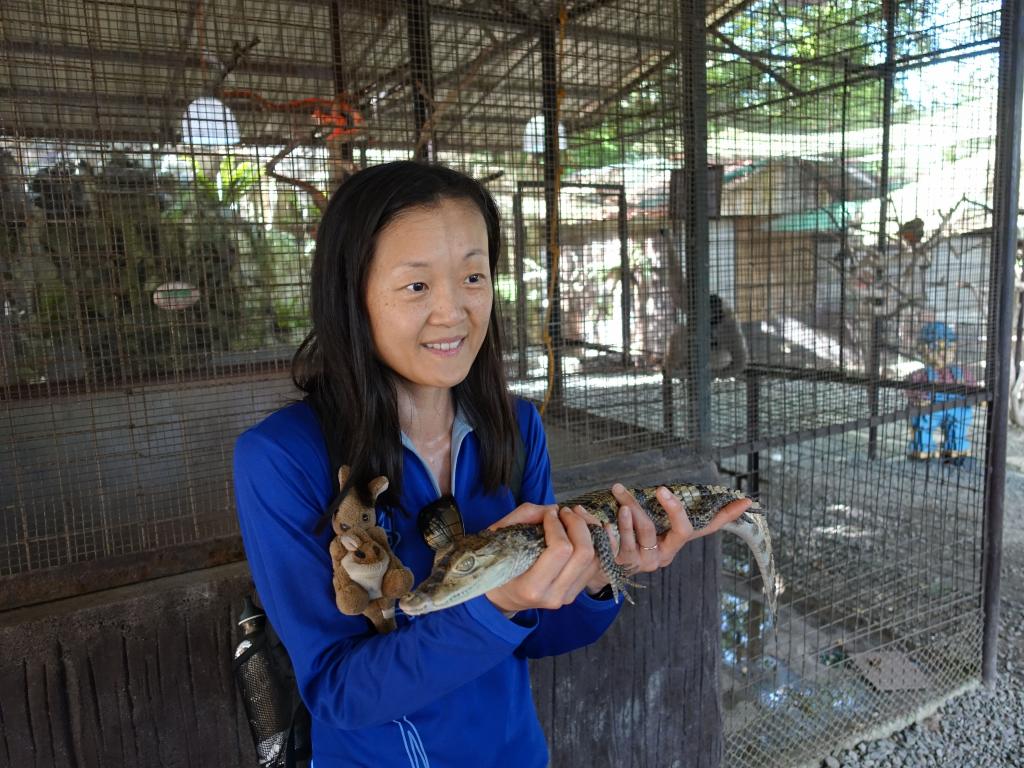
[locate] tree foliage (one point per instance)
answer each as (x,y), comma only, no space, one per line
(783,67)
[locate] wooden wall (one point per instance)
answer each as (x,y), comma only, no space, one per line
(135,677)
(646,695)
(775,271)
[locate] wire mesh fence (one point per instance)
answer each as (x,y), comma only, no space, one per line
(864,220)
(815,310)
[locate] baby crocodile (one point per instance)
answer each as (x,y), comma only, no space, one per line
(468,566)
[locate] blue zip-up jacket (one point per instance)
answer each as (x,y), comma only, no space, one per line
(448,689)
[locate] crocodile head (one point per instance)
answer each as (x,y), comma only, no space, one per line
(468,568)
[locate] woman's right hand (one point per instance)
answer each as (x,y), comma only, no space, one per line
(563,569)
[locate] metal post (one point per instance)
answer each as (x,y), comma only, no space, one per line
(549,75)
(843,235)
(753,432)
(698,273)
(339,152)
(874,358)
(1001,287)
(1019,335)
(422,71)
(627,283)
(520,270)
(668,408)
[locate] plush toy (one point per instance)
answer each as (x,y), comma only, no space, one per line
(937,346)
(368,577)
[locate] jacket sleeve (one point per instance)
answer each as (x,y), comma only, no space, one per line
(584,620)
(573,626)
(348,676)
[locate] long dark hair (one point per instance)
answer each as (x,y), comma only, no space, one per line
(337,365)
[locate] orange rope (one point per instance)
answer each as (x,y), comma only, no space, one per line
(336,112)
(344,119)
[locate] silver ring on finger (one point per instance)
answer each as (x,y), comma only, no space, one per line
(648,549)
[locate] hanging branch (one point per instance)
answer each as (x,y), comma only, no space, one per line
(319,198)
(238,53)
(757,63)
(337,115)
(438,109)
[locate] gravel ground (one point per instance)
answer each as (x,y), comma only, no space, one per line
(984,727)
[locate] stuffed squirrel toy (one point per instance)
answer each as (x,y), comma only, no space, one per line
(367,575)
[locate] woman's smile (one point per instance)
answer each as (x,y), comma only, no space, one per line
(446,347)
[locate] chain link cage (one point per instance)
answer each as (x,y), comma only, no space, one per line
(762,229)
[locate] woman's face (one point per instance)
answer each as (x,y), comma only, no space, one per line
(429,293)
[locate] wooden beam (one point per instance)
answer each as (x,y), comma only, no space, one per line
(756,62)
(596,109)
(725,12)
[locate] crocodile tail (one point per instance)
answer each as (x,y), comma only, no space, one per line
(752,528)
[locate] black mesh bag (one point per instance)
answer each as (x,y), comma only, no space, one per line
(278,719)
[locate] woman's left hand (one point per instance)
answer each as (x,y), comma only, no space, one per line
(641,550)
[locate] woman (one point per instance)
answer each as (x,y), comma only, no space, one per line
(404,365)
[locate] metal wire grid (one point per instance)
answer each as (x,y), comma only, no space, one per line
(882,554)
(882,558)
(138,263)
(112,473)
(121,410)
(153,288)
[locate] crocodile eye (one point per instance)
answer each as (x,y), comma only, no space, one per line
(466,564)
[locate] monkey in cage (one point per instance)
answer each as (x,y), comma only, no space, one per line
(728,356)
